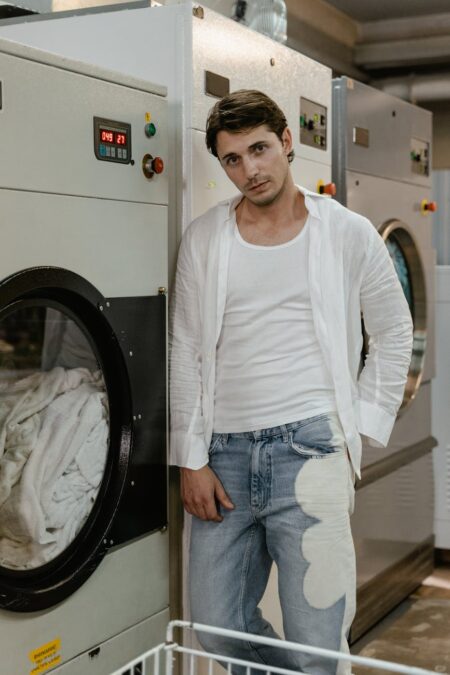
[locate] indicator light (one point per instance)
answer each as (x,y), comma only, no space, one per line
(150,130)
(152,165)
(427,207)
(326,188)
(158,165)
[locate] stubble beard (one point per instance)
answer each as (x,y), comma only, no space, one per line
(266,200)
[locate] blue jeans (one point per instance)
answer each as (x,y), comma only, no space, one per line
(292,487)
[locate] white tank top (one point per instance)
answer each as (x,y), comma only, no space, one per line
(269,366)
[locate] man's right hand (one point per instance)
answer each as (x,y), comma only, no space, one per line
(201,492)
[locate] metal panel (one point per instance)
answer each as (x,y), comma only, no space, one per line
(107,603)
(113,653)
(49,138)
(441,408)
(308,173)
(381,199)
(94,238)
(441,218)
(397,508)
(391,124)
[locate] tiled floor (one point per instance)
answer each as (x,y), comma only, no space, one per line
(417,633)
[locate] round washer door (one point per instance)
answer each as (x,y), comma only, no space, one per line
(408,265)
(65,435)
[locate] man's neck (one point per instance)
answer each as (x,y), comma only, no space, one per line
(274,223)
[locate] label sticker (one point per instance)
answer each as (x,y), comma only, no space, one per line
(148,117)
(45,657)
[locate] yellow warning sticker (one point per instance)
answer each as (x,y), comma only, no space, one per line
(45,657)
(148,117)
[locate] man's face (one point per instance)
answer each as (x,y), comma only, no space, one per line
(256,162)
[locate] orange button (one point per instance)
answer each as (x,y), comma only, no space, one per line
(427,207)
(158,165)
(327,189)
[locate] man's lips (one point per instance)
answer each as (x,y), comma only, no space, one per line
(258,185)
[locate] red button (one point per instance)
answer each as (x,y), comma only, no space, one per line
(158,165)
(431,206)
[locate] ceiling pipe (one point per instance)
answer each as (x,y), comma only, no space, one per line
(417,88)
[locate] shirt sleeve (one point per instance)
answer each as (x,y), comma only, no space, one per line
(187,440)
(388,323)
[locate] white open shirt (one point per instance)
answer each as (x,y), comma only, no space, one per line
(349,270)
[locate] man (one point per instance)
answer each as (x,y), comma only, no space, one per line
(267,400)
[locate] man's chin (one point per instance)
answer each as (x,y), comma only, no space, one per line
(261,200)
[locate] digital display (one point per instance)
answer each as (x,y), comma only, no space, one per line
(112,140)
(114,137)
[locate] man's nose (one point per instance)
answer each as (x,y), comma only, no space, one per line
(250,166)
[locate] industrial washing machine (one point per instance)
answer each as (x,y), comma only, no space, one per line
(83,278)
(441,384)
(201,56)
(381,167)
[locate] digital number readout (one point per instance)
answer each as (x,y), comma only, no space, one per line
(114,137)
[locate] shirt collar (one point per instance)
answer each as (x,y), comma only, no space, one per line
(311,199)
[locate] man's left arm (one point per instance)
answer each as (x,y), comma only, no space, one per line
(388,323)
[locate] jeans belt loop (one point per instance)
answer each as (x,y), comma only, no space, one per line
(285,433)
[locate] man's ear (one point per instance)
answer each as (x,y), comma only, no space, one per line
(286,139)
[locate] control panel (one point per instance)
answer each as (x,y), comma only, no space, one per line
(112,140)
(313,124)
(420,157)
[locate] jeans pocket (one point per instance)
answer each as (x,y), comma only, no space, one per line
(317,451)
(216,443)
(321,437)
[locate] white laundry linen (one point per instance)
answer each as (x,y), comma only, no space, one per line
(54,440)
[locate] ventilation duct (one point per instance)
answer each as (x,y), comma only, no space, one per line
(265,16)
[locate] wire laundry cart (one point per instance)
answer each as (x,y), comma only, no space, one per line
(161,659)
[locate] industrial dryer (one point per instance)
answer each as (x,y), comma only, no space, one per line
(381,167)
(83,275)
(201,56)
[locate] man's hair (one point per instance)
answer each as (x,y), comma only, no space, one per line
(244,110)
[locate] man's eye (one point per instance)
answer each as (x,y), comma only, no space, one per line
(260,148)
(231,161)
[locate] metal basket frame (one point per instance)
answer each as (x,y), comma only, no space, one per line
(163,655)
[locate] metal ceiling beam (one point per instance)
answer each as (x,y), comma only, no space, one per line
(397,53)
(405,29)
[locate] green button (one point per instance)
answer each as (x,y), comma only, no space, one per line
(150,130)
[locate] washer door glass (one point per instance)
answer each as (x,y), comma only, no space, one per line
(407,262)
(401,267)
(54,433)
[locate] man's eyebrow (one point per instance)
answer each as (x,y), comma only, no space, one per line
(250,147)
(253,145)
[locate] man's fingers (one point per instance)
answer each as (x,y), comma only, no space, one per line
(205,510)
(222,496)
(201,492)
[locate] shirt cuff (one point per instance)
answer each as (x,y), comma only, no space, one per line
(188,450)
(374,422)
